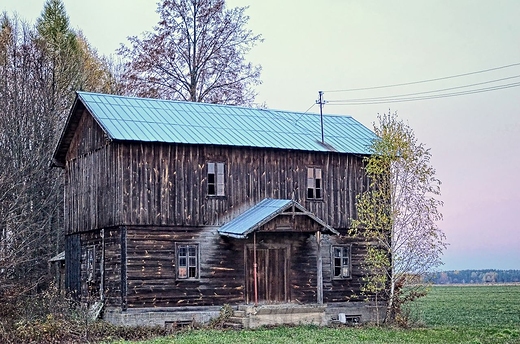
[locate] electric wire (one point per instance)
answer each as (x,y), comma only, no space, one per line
(310,107)
(446,95)
(425,81)
(425,92)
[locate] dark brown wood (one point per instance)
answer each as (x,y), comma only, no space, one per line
(146,197)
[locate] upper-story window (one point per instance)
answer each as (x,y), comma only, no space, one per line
(341,263)
(216,179)
(314,185)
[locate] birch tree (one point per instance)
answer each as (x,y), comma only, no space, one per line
(195,53)
(398,216)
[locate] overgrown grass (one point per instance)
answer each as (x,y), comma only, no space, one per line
(473,314)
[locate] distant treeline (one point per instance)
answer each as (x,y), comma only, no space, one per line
(476,276)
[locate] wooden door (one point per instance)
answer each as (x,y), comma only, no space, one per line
(271,275)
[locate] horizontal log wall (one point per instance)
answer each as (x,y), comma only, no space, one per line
(113,267)
(151,263)
(343,290)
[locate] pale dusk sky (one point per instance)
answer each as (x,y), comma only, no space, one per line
(334,45)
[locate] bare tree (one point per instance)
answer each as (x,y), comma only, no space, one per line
(40,68)
(398,215)
(195,53)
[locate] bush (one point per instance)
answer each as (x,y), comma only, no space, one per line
(51,317)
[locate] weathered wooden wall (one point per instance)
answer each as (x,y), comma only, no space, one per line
(166,184)
(343,290)
(151,268)
(148,196)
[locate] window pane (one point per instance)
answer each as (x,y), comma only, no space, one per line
(182,251)
(183,272)
(211,168)
(220,189)
(310,183)
(337,262)
(182,261)
(220,168)
(310,173)
(192,272)
(337,271)
(318,173)
(310,193)
(211,189)
(318,193)
(337,252)
(193,261)
(211,178)
(192,251)
(345,272)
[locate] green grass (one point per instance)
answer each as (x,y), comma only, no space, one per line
(473,314)
(471,306)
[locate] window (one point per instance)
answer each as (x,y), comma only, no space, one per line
(187,261)
(341,266)
(216,179)
(314,187)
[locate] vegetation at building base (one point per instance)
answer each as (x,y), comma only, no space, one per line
(448,314)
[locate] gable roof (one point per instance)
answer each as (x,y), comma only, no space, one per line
(168,121)
(263,212)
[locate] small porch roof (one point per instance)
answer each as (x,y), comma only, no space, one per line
(262,213)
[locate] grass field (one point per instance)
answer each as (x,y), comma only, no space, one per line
(449,314)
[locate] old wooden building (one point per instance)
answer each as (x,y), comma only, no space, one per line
(173,209)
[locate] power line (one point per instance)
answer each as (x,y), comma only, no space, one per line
(425,81)
(310,107)
(425,92)
(454,94)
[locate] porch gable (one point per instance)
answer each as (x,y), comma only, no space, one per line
(265,212)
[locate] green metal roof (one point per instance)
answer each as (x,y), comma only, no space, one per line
(260,214)
(155,120)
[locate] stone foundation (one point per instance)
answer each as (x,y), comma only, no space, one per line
(250,316)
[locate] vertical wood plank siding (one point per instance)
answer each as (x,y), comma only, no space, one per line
(166,185)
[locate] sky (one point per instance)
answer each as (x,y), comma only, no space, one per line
(334,45)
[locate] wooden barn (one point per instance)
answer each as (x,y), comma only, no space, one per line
(174,209)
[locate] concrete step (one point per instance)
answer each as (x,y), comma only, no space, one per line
(239,313)
(237,320)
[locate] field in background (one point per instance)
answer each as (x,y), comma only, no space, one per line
(449,314)
(470,306)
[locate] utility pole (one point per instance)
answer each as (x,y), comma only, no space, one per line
(321,102)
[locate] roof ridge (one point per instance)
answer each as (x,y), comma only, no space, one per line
(207,104)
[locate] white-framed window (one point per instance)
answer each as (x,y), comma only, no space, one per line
(341,262)
(187,259)
(216,179)
(314,183)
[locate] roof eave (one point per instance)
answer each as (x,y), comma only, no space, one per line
(58,157)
